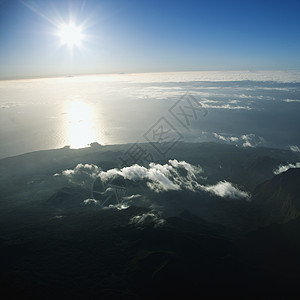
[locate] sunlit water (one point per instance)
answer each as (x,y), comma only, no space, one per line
(110,109)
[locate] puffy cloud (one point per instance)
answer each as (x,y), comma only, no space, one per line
(283,168)
(178,175)
(148,219)
(136,196)
(118,206)
(91,170)
(248,140)
(226,189)
(83,174)
(234,139)
(90,202)
(174,175)
(295,148)
(220,137)
(245,140)
(251,140)
(247,144)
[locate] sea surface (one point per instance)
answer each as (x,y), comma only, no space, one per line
(248,109)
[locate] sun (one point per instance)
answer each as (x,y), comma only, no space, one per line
(70,34)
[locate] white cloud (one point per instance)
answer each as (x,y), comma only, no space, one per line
(284,168)
(175,175)
(220,137)
(82,174)
(132,197)
(225,138)
(159,177)
(247,144)
(169,177)
(244,96)
(279,76)
(57,217)
(245,140)
(90,170)
(251,140)
(227,106)
(291,100)
(234,139)
(226,189)
(151,218)
(119,206)
(90,202)
(295,148)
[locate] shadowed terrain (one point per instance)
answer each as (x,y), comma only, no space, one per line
(171,243)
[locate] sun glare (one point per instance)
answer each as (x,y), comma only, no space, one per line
(81,125)
(70,34)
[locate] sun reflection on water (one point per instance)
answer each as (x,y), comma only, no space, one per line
(81,126)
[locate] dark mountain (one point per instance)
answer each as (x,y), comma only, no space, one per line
(279,198)
(262,167)
(175,244)
(68,197)
(273,252)
(96,253)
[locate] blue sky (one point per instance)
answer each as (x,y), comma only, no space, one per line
(148,36)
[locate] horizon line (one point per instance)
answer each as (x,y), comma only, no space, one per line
(29,77)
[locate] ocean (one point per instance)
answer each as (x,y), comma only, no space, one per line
(249,109)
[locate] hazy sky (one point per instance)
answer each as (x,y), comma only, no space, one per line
(147,36)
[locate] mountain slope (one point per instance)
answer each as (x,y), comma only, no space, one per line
(279,198)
